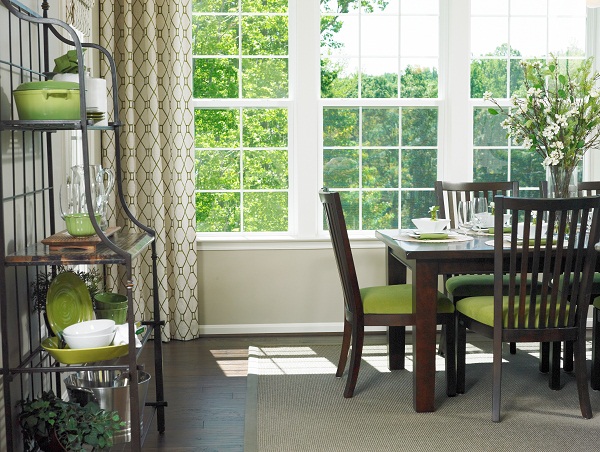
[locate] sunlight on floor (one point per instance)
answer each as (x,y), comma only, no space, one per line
(289,360)
(234,368)
(232,362)
(230,353)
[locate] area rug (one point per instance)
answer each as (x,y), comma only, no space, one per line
(295,403)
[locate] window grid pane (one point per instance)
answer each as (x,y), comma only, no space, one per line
(382,159)
(241,51)
(501,39)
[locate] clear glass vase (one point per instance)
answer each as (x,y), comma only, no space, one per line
(562,181)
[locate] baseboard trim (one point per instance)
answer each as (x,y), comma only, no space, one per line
(277,328)
(287,328)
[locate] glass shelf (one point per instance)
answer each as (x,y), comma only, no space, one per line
(40,254)
(54,124)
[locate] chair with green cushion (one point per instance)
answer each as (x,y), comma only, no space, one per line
(587,188)
(595,374)
(389,306)
(547,312)
(448,195)
(592,188)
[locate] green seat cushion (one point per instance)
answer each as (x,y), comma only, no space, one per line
(461,286)
(396,299)
(595,285)
(596,302)
(482,310)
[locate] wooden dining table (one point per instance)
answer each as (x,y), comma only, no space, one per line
(427,260)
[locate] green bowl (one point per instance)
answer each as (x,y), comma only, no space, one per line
(80,225)
(110,300)
(119,315)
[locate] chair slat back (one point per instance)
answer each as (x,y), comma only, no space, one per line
(332,208)
(449,194)
(588,188)
(556,249)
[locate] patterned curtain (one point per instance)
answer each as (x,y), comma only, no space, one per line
(151,45)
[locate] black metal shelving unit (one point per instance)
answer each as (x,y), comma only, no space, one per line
(27,171)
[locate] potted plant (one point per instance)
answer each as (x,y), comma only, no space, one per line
(67,63)
(52,424)
(66,67)
(431,223)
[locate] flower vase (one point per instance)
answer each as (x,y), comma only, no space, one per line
(562,182)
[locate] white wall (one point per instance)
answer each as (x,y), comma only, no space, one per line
(278,290)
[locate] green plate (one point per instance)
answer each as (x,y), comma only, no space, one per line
(82,355)
(68,301)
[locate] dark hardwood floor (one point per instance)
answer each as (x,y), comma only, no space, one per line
(205,387)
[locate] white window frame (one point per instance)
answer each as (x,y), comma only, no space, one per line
(455,142)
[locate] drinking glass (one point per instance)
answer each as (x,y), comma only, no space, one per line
(465,215)
(480,208)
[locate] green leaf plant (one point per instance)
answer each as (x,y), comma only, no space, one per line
(72,425)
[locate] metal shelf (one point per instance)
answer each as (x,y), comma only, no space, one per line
(40,254)
(29,210)
(53,125)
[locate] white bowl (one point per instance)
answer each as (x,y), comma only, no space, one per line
(486,220)
(521,226)
(429,225)
(90,328)
(100,340)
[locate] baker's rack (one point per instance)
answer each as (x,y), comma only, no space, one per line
(28,213)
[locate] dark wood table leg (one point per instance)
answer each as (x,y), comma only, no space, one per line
(544,357)
(396,274)
(425,307)
(396,337)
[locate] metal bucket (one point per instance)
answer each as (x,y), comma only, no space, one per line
(110,390)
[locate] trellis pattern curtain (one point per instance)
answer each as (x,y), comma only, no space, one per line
(151,44)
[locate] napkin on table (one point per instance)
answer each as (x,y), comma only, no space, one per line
(505,229)
(433,235)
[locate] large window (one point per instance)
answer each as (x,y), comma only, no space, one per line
(396,104)
(240,68)
(379,87)
(504,33)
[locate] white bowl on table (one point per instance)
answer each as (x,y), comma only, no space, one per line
(532,226)
(89,341)
(429,225)
(90,328)
(484,220)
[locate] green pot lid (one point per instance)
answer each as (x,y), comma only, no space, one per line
(48,84)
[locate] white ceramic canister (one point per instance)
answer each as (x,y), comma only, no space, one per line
(96,97)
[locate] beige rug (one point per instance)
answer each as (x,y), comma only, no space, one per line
(295,403)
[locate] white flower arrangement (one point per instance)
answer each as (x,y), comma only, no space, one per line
(560,113)
(558,117)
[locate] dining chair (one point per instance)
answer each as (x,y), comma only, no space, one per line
(587,188)
(595,371)
(547,312)
(448,195)
(592,188)
(390,305)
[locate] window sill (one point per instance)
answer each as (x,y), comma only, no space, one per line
(284,242)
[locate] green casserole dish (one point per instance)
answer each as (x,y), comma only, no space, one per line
(47,100)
